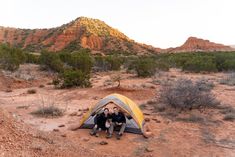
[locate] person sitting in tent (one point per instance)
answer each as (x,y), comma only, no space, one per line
(118,120)
(102,122)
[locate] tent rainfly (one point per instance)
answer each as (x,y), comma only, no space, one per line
(134,118)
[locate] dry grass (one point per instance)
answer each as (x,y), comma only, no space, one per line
(49,111)
(186,95)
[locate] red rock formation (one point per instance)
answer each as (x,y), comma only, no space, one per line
(87,33)
(194,44)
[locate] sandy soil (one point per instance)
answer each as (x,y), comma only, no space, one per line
(212,138)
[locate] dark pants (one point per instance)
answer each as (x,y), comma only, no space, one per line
(113,125)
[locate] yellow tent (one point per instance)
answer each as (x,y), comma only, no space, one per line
(134,120)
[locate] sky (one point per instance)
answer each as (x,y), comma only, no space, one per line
(161,23)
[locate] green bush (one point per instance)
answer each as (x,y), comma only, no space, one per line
(81,60)
(72,78)
(199,64)
(114,62)
(51,61)
(145,67)
(32,58)
(11,58)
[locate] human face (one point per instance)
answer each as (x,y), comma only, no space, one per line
(106,112)
(115,110)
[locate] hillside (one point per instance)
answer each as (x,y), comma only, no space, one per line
(194,44)
(82,32)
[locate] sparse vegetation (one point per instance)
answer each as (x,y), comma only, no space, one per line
(229,79)
(48,111)
(11,58)
(229,117)
(184,94)
(145,67)
(192,118)
(51,61)
(116,78)
(72,78)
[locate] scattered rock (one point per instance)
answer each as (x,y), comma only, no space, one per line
(149,149)
(147,119)
(95,97)
(156,120)
(62,125)
(63,135)
(86,109)
(103,143)
(56,130)
(85,139)
(73,114)
(79,114)
(147,114)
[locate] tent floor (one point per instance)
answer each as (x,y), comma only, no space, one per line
(128,129)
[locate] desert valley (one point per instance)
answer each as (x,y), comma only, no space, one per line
(50,78)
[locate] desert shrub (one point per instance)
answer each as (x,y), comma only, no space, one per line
(32,58)
(48,111)
(113,62)
(107,63)
(64,56)
(162,66)
(185,95)
(229,117)
(229,79)
(204,85)
(225,61)
(160,107)
(51,61)
(145,67)
(82,61)
(100,64)
(192,118)
(11,58)
(72,78)
(199,64)
(31,91)
(116,78)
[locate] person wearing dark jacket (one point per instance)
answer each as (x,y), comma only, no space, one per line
(118,120)
(102,122)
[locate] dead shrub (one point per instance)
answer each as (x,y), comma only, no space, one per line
(31,91)
(48,111)
(229,117)
(192,119)
(160,107)
(229,79)
(184,94)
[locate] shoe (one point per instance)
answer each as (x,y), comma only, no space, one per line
(108,135)
(92,133)
(118,136)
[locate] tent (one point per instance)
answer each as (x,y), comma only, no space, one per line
(134,118)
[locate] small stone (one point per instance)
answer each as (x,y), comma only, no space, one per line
(156,120)
(62,125)
(147,119)
(73,114)
(86,139)
(149,149)
(103,143)
(86,109)
(56,130)
(79,114)
(147,114)
(63,135)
